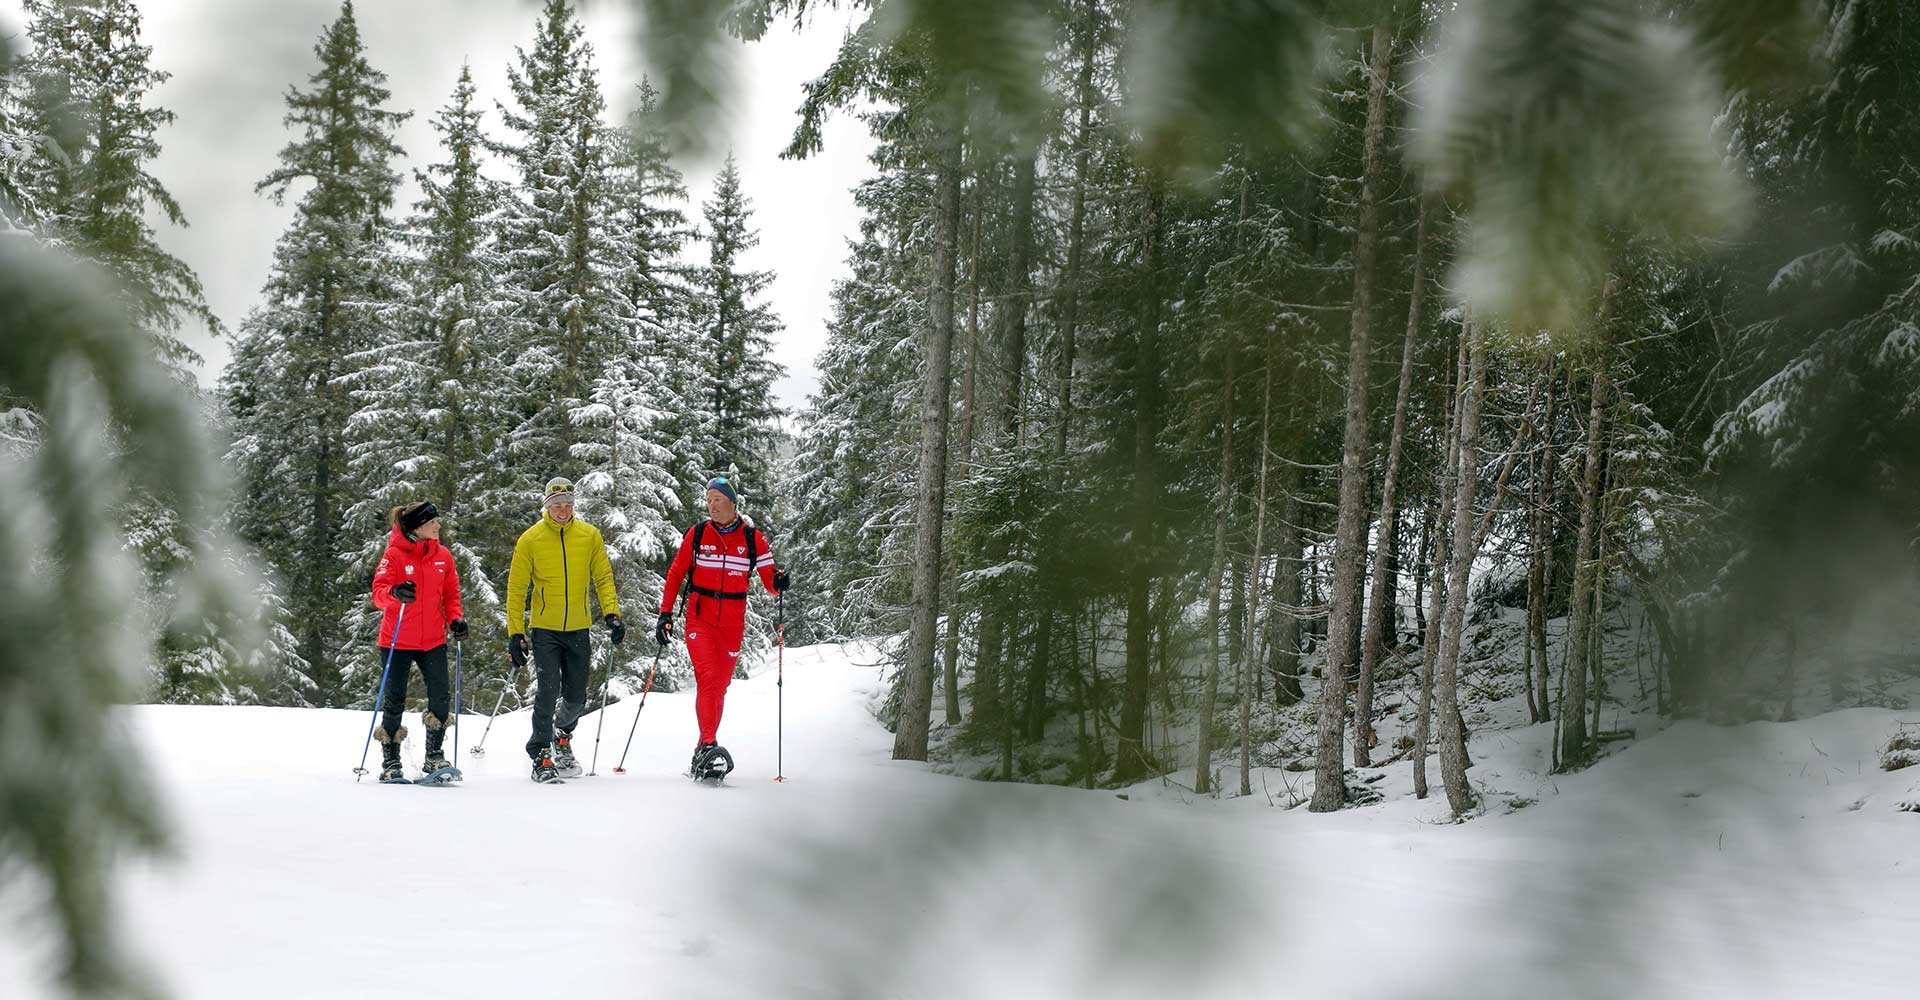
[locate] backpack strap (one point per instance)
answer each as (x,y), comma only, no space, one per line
(686,586)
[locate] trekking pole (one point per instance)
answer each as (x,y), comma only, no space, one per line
(456,699)
(380,693)
(497,702)
(621,768)
(780,686)
(601,723)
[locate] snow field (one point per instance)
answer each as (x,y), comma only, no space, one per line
(1767,860)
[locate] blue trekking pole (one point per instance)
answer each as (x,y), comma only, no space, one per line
(380,692)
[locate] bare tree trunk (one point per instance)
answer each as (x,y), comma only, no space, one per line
(916,696)
(1543,543)
(1430,651)
(1420,568)
(1350,543)
(1069,323)
(1011,321)
(1132,759)
(983,696)
(1249,685)
(1573,734)
(1446,682)
(1597,660)
(1283,626)
(1222,510)
(1381,607)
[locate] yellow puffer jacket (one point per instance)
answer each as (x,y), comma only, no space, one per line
(558,561)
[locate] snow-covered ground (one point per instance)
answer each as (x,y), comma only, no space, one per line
(1766,860)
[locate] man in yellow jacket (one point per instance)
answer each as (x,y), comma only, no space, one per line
(557,558)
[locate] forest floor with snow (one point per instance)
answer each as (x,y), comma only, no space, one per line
(1759,860)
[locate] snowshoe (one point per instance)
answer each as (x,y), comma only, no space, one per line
(544,772)
(711,763)
(563,759)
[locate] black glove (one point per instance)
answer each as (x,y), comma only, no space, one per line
(665,628)
(619,630)
(781,580)
(403,592)
(517,650)
(458,627)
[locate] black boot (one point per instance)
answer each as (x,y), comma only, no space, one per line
(700,752)
(436,758)
(390,769)
(543,769)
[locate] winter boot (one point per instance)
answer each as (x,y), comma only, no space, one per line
(699,765)
(563,759)
(390,769)
(543,770)
(435,758)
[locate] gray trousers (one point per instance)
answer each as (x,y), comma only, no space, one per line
(560,663)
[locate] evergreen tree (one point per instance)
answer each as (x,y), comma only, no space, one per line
(733,333)
(283,394)
(422,431)
(114,424)
(562,271)
(86,86)
(654,231)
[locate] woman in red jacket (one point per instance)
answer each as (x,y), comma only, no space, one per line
(416,572)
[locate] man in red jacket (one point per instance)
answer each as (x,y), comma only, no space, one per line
(416,572)
(717,558)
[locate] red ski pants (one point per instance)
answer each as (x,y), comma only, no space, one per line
(714,651)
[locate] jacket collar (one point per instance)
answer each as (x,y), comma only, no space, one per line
(555,526)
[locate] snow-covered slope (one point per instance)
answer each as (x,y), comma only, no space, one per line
(1758,861)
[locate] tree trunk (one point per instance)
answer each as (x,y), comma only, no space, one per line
(1069,324)
(1381,608)
(1132,761)
(1283,626)
(1573,733)
(1437,591)
(1222,504)
(1421,564)
(1548,486)
(1251,648)
(1013,416)
(1350,543)
(916,696)
(982,694)
(1597,655)
(1446,681)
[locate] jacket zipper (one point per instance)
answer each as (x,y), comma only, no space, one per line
(566,592)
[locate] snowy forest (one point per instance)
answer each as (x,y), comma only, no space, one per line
(1212,391)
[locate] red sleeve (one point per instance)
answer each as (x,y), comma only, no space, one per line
(682,561)
(451,599)
(763,560)
(384,578)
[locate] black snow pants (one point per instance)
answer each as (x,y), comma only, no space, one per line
(560,663)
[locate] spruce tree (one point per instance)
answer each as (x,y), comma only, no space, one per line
(733,333)
(421,430)
(565,303)
(282,393)
(86,87)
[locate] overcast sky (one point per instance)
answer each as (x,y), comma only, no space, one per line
(232,61)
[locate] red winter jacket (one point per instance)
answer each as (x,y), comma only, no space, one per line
(720,567)
(436,592)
